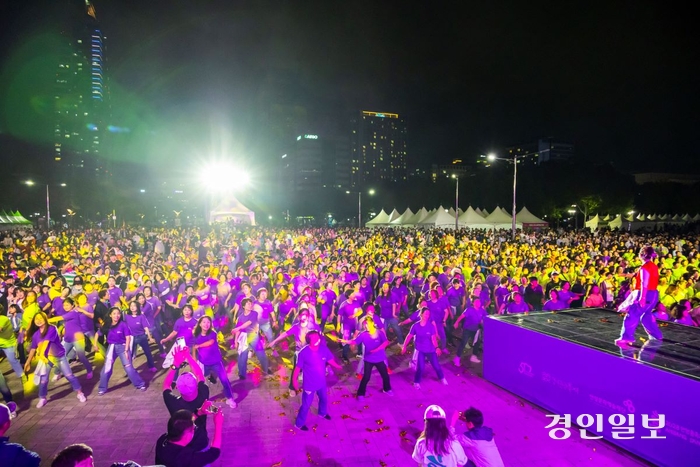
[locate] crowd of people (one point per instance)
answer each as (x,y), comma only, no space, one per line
(185,296)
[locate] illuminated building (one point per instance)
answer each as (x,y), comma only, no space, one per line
(81,93)
(379,148)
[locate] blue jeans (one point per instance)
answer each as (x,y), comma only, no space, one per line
(119,351)
(307,398)
(11,354)
(266,329)
(393,323)
(220,372)
(157,333)
(243,357)
(4,389)
(467,339)
(636,313)
(432,356)
(142,341)
(61,362)
(78,346)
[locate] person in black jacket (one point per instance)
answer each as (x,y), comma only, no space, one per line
(172,448)
(533,295)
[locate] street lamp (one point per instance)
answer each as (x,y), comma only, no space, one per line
(48,203)
(456,201)
(359,205)
(573,213)
(514,160)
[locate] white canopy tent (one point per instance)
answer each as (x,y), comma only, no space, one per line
(593,222)
(499,219)
(394,215)
(229,208)
(440,218)
(529,220)
(380,219)
(401,220)
(415,219)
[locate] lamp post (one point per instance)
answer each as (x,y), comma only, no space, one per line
(514,161)
(359,205)
(573,213)
(48,200)
(456,177)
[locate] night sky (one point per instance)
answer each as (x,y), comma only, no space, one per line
(619,79)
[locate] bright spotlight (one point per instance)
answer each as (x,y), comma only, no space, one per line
(29,182)
(371,192)
(217,177)
(491,157)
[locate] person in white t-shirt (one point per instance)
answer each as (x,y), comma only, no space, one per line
(437,446)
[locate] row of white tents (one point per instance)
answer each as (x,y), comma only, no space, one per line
(649,222)
(471,218)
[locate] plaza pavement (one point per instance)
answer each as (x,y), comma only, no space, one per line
(379,431)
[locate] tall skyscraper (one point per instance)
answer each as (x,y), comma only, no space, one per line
(81,94)
(379,148)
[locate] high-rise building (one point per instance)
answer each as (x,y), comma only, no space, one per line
(81,93)
(379,148)
(542,151)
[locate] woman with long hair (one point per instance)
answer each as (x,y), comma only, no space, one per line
(73,335)
(46,345)
(436,445)
(141,335)
(209,355)
(118,339)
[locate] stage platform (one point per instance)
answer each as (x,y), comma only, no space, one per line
(567,362)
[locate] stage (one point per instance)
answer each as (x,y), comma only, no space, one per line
(567,362)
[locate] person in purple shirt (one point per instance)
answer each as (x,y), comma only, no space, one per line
(554,304)
(118,337)
(140,332)
(374,342)
(327,299)
(115,293)
(426,335)
(439,312)
(73,336)
(501,295)
(366,289)
(46,345)
(517,304)
(348,313)
(183,327)
(151,309)
(57,303)
(43,299)
(209,355)
(286,307)
(247,336)
(473,317)
(266,314)
(312,362)
(298,330)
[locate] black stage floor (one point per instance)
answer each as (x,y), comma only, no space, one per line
(679,352)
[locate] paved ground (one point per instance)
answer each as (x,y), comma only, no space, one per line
(380,431)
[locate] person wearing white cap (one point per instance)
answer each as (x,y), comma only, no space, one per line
(13,454)
(436,445)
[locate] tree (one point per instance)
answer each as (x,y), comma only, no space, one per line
(589,204)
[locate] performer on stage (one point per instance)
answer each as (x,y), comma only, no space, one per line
(646,281)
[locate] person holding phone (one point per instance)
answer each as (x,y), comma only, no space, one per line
(194,395)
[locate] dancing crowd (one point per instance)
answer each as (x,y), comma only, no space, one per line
(209,300)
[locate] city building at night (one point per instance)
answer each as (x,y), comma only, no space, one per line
(379,148)
(81,101)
